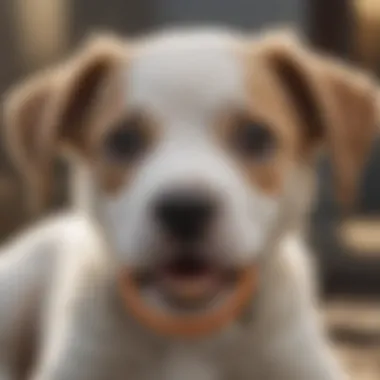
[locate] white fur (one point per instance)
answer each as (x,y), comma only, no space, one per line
(67,266)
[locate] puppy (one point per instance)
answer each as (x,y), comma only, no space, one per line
(196,151)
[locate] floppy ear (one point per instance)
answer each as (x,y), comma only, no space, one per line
(24,109)
(53,109)
(337,107)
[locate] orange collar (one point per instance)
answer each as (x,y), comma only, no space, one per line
(189,326)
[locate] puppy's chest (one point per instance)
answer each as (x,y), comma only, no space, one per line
(180,366)
(188,366)
(230,359)
(184,363)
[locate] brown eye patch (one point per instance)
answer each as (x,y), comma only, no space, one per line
(127,141)
(258,147)
(121,147)
(252,140)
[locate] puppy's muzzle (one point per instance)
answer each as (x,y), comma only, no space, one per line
(199,293)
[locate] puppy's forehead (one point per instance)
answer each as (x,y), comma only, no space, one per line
(186,73)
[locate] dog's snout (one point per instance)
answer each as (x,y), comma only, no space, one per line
(185,215)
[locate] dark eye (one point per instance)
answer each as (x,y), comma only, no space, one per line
(253,140)
(127,142)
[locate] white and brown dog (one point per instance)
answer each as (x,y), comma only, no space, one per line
(196,150)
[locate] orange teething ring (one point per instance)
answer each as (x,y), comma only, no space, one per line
(189,326)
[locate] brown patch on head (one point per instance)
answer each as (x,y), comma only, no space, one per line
(314,101)
(120,147)
(261,150)
(62,108)
(267,121)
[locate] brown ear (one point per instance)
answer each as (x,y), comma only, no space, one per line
(25,107)
(54,109)
(337,107)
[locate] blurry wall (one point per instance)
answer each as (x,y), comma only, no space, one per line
(243,13)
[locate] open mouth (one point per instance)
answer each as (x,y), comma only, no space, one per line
(189,280)
(202,296)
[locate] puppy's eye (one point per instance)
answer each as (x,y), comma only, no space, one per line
(253,141)
(127,142)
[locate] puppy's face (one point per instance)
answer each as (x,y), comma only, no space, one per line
(204,157)
(195,144)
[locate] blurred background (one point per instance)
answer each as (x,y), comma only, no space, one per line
(35,33)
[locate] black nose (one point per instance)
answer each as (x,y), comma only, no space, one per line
(185,215)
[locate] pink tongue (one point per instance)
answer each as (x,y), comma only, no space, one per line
(191,287)
(191,284)
(190,278)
